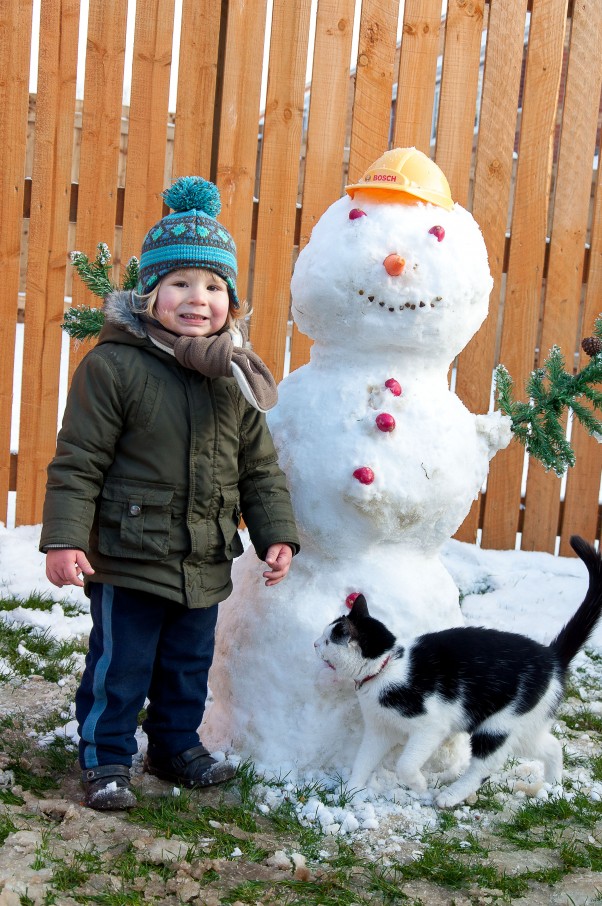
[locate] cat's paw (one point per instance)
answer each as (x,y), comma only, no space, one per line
(415,781)
(447,798)
(455,794)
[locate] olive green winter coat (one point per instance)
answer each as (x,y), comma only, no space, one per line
(155,464)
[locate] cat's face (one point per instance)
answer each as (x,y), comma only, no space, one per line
(339,648)
(350,642)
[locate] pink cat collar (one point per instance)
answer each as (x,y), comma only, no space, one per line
(360,683)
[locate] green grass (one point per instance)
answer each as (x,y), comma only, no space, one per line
(37,769)
(540,824)
(182,817)
(43,602)
(29,650)
(6,827)
(583,720)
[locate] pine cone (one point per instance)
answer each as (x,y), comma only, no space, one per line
(591,345)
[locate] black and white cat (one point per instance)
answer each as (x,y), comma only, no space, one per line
(502,688)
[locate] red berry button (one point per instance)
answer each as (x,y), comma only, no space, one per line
(394,386)
(385,422)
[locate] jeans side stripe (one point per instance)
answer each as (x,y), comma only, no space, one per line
(99,690)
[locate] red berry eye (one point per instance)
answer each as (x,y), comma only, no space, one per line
(355,213)
(437,231)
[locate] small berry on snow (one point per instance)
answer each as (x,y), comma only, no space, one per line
(354,213)
(385,422)
(350,599)
(364,475)
(437,231)
(394,386)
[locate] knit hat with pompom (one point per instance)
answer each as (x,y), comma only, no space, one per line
(190,237)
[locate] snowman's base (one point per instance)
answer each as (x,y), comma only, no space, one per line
(274,701)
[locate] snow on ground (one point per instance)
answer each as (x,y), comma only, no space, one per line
(532,593)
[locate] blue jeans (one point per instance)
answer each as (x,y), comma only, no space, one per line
(142,646)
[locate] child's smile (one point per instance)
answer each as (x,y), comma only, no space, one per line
(192,302)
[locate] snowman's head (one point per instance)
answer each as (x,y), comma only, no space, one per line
(378,272)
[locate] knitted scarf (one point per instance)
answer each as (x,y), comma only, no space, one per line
(217,356)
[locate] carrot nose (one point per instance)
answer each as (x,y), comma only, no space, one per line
(394,265)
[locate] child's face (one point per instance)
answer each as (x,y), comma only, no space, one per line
(192,302)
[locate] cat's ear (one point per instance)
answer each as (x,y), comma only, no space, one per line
(359,609)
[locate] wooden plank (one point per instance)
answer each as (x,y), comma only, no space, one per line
(370,125)
(147,134)
(15,36)
(279,180)
(567,245)
(326,128)
(491,198)
(197,76)
(458,98)
(526,254)
(47,259)
(420,44)
(237,152)
(580,512)
(101,132)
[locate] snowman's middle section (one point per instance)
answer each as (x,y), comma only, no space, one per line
(386,454)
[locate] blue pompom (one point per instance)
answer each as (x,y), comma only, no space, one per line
(193,193)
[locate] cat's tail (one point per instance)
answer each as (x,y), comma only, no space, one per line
(581,625)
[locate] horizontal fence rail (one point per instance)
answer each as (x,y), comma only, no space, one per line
(504,95)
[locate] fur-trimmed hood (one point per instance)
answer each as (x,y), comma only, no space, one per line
(120,310)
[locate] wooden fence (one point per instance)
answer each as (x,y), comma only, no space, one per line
(511,86)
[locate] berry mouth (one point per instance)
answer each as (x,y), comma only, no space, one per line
(412,306)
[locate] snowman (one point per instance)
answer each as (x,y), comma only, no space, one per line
(383,461)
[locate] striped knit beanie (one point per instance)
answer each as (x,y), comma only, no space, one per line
(190,237)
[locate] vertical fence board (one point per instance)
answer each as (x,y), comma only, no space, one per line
(326,129)
(47,260)
(15,30)
(493,178)
(567,246)
(197,75)
(279,180)
(101,132)
(147,132)
(580,514)
(370,126)
(459,85)
(527,251)
(237,152)
(417,74)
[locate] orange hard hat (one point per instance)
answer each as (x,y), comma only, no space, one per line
(407,172)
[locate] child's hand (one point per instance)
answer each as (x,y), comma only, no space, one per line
(64,566)
(278,558)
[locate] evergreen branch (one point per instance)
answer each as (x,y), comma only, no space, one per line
(83,322)
(95,274)
(538,424)
(130,274)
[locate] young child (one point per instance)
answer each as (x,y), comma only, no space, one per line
(164,445)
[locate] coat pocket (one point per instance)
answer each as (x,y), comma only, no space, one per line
(134,520)
(229,519)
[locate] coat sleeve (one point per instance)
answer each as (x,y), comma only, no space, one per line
(265,499)
(92,424)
